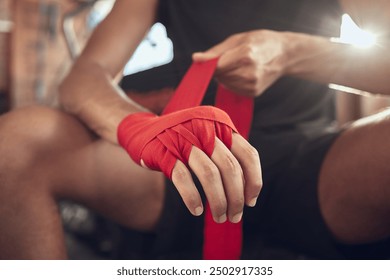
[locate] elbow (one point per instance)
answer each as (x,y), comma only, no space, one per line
(72,87)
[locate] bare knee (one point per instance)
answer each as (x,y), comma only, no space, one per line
(354,183)
(31,136)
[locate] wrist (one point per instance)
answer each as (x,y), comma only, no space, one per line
(303,52)
(133,122)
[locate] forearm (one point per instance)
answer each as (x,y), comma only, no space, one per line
(321,60)
(89,91)
(100,103)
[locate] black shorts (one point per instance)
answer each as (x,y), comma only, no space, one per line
(286,222)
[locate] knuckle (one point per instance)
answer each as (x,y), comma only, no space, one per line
(252,54)
(237,202)
(254,185)
(230,164)
(209,172)
(248,55)
(180,173)
(191,200)
(251,152)
(246,37)
(251,78)
(257,184)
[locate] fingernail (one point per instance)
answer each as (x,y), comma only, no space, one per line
(236,218)
(143,164)
(198,211)
(222,219)
(253,202)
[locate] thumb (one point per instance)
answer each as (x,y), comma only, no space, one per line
(214,52)
(203,56)
(217,50)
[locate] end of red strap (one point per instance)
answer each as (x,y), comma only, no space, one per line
(221,241)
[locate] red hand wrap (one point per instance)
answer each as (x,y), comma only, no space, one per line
(160,141)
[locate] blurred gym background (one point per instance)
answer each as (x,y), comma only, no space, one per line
(39,40)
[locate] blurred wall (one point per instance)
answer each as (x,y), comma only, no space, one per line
(40,38)
(35,53)
(5,30)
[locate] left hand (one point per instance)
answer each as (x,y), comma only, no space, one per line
(249,62)
(202,139)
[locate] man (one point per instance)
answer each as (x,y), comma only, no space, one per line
(321,188)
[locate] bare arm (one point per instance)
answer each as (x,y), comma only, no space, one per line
(319,59)
(363,69)
(89,90)
(250,62)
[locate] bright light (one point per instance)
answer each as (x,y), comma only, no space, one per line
(156,49)
(350,33)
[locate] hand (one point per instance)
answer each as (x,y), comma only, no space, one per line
(204,140)
(229,178)
(249,62)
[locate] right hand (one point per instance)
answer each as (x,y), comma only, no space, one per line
(249,62)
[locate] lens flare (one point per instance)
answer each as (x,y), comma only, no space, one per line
(352,34)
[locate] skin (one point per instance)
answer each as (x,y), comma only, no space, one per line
(107,106)
(40,163)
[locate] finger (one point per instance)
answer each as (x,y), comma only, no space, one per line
(231,60)
(236,71)
(249,159)
(182,179)
(203,56)
(232,178)
(217,50)
(227,60)
(237,81)
(210,178)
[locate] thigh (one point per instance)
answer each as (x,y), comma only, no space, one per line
(330,200)
(354,184)
(48,151)
(103,177)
